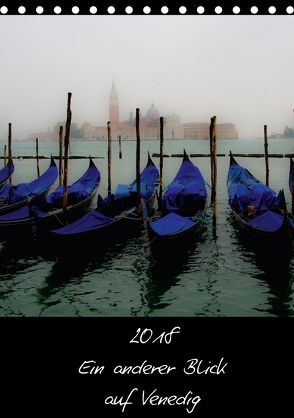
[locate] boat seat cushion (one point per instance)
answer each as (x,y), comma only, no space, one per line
(16,215)
(122,190)
(171,224)
(91,221)
(268,221)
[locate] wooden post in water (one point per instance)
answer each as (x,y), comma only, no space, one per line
(109,156)
(138,180)
(211,157)
(119,143)
(213,162)
(214,158)
(9,151)
(37,157)
(266,156)
(66,146)
(5,154)
(292,196)
(160,163)
(60,153)
(213,171)
(291,183)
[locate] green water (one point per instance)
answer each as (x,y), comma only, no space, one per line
(221,276)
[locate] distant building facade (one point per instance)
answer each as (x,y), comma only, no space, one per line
(149,126)
(75,132)
(200,130)
(113,106)
(288,132)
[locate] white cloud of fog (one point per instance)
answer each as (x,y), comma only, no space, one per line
(239,68)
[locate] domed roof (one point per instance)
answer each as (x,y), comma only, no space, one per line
(172,117)
(152,112)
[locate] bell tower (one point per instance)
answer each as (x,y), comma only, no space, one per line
(113,106)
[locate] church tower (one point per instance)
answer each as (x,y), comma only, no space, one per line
(113,106)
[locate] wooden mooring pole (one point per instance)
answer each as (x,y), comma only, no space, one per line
(60,153)
(109,156)
(9,152)
(138,179)
(160,163)
(213,161)
(292,196)
(37,157)
(213,164)
(291,184)
(266,156)
(211,157)
(66,146)
(5,154)
(119,144)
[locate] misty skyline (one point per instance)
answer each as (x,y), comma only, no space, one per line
(239,68)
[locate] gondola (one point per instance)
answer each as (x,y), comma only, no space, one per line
(174,228)
(48,212)
(291,187)
(259,212)
(291,177)
(7,170)
(13,197)
(115,214)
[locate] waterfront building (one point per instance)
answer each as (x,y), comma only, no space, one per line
(149,126)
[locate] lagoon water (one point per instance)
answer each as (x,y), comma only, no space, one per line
(220,277)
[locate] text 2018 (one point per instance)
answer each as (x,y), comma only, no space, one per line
(147,335)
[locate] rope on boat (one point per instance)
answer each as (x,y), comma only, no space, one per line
(129,216)
(59,220)
(203,218)
(152,240)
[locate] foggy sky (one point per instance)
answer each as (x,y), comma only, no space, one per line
(239,68)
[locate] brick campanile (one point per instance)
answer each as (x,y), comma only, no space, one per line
(113,106)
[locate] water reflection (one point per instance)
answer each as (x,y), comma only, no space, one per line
(273,261)
(161,277)
(15,258)
(212,306)
(220,276)
(73,266)
(274,269)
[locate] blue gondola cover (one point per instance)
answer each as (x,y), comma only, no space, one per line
(78,191)
(171,224)
(12,194)
(291,176)
(187,188)
(148,179)
(92,220)
(114,204)
(122,190)
(4,172)
(246,191)
(16,215)
(268,221)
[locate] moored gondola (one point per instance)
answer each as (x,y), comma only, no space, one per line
(260,213)
(291,177)
(48,212)
(173,229)
(115,214)
(7,170)
(13,197)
